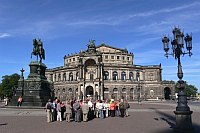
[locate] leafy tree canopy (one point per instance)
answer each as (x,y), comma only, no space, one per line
(8,83)
(190,90)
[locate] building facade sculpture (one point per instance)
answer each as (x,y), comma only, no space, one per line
(105,72)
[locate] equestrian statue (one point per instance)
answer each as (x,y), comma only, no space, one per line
(38,50)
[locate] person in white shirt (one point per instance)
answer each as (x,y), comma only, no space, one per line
(6,101)
(91,110)
(59,118)
(100,106)
(105,109)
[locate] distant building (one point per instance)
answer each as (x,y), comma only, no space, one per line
(105,72)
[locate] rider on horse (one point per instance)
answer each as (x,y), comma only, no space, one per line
(38,49)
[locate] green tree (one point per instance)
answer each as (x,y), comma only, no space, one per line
(190,90)
(8,83)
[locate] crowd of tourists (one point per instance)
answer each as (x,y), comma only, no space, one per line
(79,110)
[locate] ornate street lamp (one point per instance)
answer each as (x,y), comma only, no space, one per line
(183,113)
(138,87)
(22,78)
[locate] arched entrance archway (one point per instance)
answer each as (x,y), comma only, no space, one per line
(89,91)
(124,94)
(131,96)
(167,93)
(90,62)
(90,70)
(106,93)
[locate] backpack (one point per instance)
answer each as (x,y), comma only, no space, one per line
(48,106)
(121,105)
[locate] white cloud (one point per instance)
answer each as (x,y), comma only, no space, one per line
(63,21)
(166,10)
(4,35)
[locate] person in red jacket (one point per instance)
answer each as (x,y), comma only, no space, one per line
(112,109)
(19,101)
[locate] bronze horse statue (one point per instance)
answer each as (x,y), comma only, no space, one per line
(38,49)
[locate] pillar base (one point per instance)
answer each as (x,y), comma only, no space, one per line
(184,122)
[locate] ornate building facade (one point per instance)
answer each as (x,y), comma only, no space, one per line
(105,72)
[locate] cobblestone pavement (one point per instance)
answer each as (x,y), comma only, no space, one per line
(150,117)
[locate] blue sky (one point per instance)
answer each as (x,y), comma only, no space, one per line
(65,26)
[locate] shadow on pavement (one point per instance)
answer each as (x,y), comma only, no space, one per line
(171,121)
(3,124)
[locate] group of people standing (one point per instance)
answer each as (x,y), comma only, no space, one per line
(79,110)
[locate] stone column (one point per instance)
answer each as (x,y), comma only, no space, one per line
(79,71)
(53,78)
(128,93)
(100,71)
(83,72)
(67,76)
(84,91)
(110,93)
(61,76)
(110,75)
(143,74)
(97,68)
(79,92)
(101,92)
(94,93)
(118,75)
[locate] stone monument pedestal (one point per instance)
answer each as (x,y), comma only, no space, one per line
(35,90)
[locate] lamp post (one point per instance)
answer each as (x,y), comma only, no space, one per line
(138,87)
(183,113)
(22,78)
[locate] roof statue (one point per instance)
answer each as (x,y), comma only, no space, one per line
(91,46)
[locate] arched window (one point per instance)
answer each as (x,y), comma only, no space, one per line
(91,76)
(131,96)
(70,90)
(151,93)
(77,75)
(70,76)
(124,90)
(51,77)
(106,75)
(123,95)
(90,62)
(64,76)
(106,90)
(63,91)
(59,77)
(138,76)
(131,76)
(106,93)
(115,75)
(55,78)
(123,75)
(115,90)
